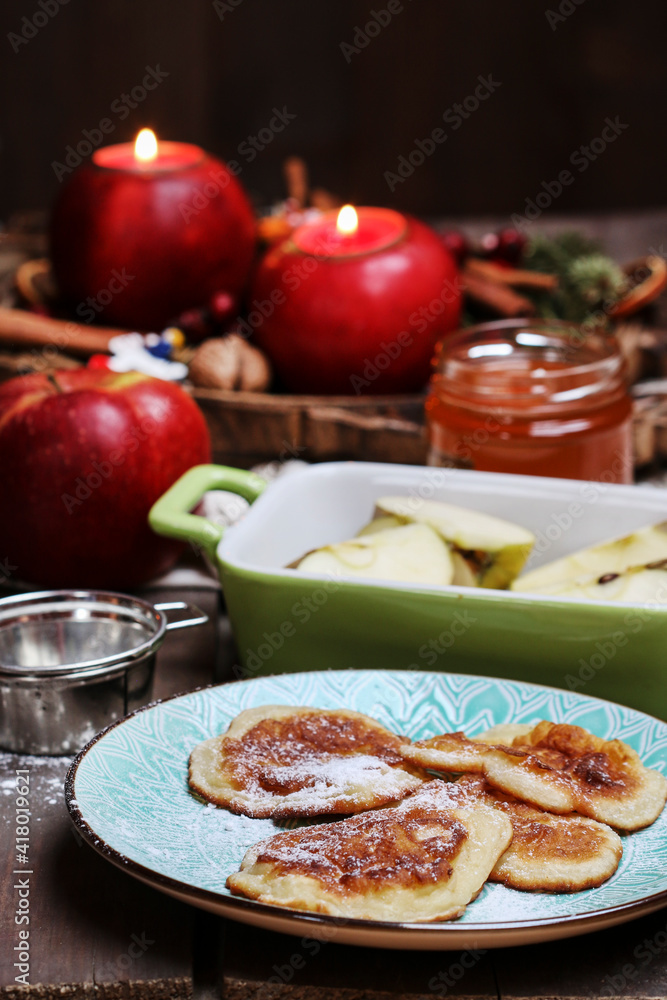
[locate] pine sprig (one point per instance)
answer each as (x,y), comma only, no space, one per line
(589,282)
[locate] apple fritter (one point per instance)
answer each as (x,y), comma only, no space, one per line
(505,733)
(558,767)
(548,853)
(422,860)
(281,760)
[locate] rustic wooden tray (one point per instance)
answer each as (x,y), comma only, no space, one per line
(248,427)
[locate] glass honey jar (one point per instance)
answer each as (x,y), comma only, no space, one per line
(535,397)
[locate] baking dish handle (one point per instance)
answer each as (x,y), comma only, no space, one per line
(170,514)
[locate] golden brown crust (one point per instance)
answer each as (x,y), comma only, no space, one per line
(558,767)
(417,848)
(557,853)
(419,861)
(282,761)
(548,853)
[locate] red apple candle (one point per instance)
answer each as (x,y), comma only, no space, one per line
(354,302)
(144,231)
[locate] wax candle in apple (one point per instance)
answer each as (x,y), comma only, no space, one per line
(145,230)
(354,302)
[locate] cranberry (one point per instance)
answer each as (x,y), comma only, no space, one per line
(194,324)
(99,362)
(457,245)
(222,307)
(489,244)
(511,243)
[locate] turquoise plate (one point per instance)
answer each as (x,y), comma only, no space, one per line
(127,793)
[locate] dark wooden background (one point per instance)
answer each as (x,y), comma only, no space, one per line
(228,68)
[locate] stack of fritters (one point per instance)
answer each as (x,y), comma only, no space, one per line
(529,809)
(557,767)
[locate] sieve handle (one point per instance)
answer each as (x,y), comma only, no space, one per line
(200,616)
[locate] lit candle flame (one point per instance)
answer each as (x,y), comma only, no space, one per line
(347,221)
(145,146)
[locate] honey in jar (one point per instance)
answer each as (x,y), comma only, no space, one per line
(534,397)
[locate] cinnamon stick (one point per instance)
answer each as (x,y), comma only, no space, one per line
(499,298)
(324,200)
(512,276)
(296,180)
(20,329)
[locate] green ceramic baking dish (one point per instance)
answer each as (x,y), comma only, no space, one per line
(287,620)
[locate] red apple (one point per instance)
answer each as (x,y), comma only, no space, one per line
(84,455)
(364,323)
(137,249)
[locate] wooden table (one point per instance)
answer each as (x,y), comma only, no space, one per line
(97,933)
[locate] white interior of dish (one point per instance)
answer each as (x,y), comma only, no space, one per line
(330,502)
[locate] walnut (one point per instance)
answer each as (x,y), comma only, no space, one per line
(230,363)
